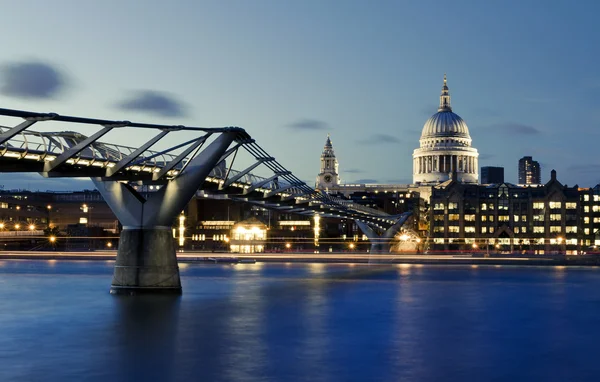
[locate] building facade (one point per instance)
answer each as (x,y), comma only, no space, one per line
(529,171)
(491,175)
(546,219)
(328,176)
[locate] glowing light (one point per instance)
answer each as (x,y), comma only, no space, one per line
(1,225)
(404,237)
(351,246)
(181,230)
(52,239)
(474,246)
(288,245)
(49,207)
(31,227)
(17,226)
(109,244)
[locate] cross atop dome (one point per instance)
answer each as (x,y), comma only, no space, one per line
(445,97)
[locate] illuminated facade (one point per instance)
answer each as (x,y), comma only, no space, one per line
(248,236)
(529,171)
(445,148)
(329,173)
(508,218)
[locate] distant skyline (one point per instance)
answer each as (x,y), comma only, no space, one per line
(523,75)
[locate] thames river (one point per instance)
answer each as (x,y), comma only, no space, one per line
(302,322)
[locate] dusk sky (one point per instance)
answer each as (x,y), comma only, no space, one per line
(524,75)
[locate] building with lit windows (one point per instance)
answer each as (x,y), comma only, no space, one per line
(529,171)
(548,219)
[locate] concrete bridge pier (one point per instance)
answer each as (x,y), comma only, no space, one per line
(146,259)
(381,244)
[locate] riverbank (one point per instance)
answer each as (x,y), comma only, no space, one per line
(342,258)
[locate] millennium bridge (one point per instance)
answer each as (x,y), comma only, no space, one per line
(146,187)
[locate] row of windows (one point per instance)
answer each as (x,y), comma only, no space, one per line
(553,229)
(503,205)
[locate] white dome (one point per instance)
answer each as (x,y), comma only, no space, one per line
(445,124)
(445,147)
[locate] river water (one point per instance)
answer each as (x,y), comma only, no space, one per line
(302,322)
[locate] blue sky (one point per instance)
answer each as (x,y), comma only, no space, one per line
(524,75)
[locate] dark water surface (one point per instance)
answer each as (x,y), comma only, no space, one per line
(277,322)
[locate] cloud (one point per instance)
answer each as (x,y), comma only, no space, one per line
(516,128)
(380,138)
(353,171)
(399,181)
(365,181)
(35,182)
(308,124)
(31,80)
(154,102)
(584,168)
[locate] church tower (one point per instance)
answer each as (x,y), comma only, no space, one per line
(328,176)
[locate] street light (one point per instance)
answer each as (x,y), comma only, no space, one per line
(17,226)
(31,227)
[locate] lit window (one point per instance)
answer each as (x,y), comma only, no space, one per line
(555,229)
(570,205)
(571,229)
(470,229)
(538,218)
(516,218)
(586,220)
(503,218)
(452,206)
(555,205)
(586,231)
(524,229)
(586,198)
(555,217)
(453,217)
(453,229)
(523,218)
(491,218)
(516,229)
(483,206)
(586,209)
(469,218)
(538,205)
(483,229)
(538,229)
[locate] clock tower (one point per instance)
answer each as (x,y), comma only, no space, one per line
(328,176)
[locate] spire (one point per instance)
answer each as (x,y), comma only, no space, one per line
(328,145)
(445,97)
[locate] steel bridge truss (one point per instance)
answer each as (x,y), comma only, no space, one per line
(73,154)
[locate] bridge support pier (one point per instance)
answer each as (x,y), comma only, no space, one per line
(381,244)
(146,259)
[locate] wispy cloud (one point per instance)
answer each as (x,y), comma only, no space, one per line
(515,128)
(486,156)
(366,180)
(353,171)
(537,99)
(376,139)
(31,80)
(308,124)
(584,168)
(154,102)
(399,181)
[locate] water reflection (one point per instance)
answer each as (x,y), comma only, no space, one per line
(286,323)
(145,329)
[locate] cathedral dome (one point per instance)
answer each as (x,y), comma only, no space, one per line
(445,124)
(445,147)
